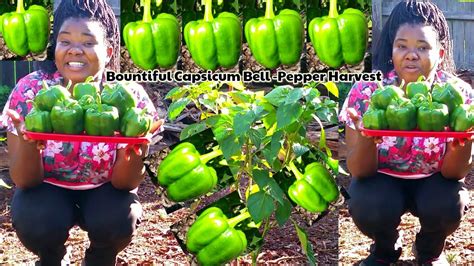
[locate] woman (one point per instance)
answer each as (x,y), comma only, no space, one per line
(394,175)
(61,184)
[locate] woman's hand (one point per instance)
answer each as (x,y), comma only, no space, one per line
(20,129)
(357,120)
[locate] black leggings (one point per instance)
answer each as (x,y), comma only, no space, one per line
(43,216)
(377,204)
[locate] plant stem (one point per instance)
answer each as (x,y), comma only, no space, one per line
(333,9)
(147,11)
(209,156)
(208,10)
(237,219)
(20,8)
(269,14)
(295,170)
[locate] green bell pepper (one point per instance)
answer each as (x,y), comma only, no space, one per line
(67,117)
(86,88)
(38,121)
(101,120)
(135,123)
(432,116)
(419,99)
(276,40)
(383,96)
(153,42)
(314,189)
(185,174)
(374,119)
(401,115)
(418,87)
(448,94)
(462,118)
(87,101)
(214,42)
(339,38)
(26,31)
(213,237)
(118,95)
(47,97)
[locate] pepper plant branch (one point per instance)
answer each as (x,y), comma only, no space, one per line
(237,219)
(20,8)
(147,11)
(333,9)
(295,170)
(208,10)
(269,14)
(209,156)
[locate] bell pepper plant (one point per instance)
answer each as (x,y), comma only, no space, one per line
(214,239)
(47,97)
(214,41)
(314,189)
(401,115)
(185,174)
(67,117)
(101,120)
(26,31)
(339,38)
(135,123)
(276,39)
(375,119)
(118,95)
(384,95)
(462,118)
(448,94)
(153,42)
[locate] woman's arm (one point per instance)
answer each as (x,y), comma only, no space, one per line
(362,157)
(457,161)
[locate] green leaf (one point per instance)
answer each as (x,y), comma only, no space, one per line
(283,212)
(327,114)
(221,126)
(231,146)
(256,136)
(243,122)
(305,244)
(294,96)
(332,88)
(271,150)
(177,107)
(174,92)
(192,130)
(260,206)
(3,184)
(261,177)
(275,191)
(278,95)
(311,95)
(299,149)
(288,114)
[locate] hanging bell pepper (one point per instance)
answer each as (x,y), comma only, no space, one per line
(26,31)
(214,239)
(118,95)
(401,115)
(448,94)
(339,38)
(276,40)
(214,42)
(432,116)
(419,87)
(67,117)
(462,118)
(38,121)
(185,174)
(47,97)
(135,123)
(153,42)
(86,88)
(314,189)
(101,120)
(384,95)
(374,119)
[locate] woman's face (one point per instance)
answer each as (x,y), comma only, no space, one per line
(81,50)
(416,51)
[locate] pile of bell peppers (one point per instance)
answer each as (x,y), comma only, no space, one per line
(184,172)
(214,239)
(25,31)
(88,110)
(421,108)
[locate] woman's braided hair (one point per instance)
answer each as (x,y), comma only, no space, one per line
(94,10)
(413,12)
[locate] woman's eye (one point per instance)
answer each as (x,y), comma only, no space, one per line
(423,48)
(89,44)
(400,46)
(63,42)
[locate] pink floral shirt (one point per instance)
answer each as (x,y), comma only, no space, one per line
(73,165)
(412,157)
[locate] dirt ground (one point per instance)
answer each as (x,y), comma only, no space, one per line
(335,238)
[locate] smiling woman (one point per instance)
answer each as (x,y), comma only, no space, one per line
(71,183)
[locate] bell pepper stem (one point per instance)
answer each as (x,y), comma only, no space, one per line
(237,219)
(209,156)
(333,9)
(269,14)
(20,7)
(207,10)
(45,85)
(295,170)
(147,11)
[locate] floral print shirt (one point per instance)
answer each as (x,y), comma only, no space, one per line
(404,157)
(73,165)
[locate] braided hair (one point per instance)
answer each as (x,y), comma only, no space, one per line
(94,10)
(413,12)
